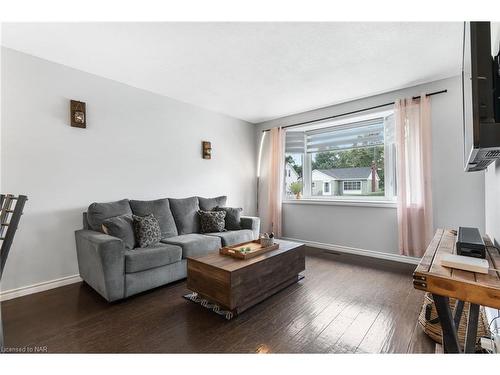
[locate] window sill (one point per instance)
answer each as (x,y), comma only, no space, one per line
(343,202)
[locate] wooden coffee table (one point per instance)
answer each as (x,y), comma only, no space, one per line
(237,284)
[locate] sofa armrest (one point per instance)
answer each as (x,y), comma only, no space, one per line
(252,223)
(101,261)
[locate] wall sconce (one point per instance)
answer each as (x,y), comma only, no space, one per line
(78,114)
(206,150)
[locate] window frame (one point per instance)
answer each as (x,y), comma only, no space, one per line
(388,199)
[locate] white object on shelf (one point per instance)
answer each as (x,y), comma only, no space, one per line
(465,263)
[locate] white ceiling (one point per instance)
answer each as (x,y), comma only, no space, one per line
(251,71)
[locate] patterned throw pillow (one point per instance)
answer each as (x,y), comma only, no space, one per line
(212,221)
(147,230)
(233,217)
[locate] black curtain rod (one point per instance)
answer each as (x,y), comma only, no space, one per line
(356,111)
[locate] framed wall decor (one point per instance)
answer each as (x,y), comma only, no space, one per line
(78,114)
(206,150)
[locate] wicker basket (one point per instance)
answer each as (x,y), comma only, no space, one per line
(429,321)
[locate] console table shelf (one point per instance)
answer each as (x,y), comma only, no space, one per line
(465,286)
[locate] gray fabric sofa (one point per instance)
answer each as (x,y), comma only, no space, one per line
(117,272)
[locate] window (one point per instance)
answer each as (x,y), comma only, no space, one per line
(352,185)
(343,159)
(293,167)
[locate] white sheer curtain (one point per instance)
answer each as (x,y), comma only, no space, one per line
(413,175)
(276,169)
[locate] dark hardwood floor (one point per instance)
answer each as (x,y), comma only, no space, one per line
(345,304)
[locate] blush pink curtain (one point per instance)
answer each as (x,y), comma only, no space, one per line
(413,174)
(276,169)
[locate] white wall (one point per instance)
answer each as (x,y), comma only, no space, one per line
(137,145)
(368,228)
(458,197)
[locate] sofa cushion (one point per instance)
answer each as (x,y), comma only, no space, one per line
(207,204)
(195,244)
(212,221)
(160,208)
(233,217)
(141,259)
(121,227)
(98,212)
(147,230)
(185,213)
(232,237)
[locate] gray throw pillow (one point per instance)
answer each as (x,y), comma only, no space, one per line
(98,212)
(121,227)
(147,230)
(185,213)
(208,204)
(233,217)
(212,221)
(160,208)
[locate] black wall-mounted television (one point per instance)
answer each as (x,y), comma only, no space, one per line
(481,102)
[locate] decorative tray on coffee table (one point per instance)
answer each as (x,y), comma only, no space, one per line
(255,249)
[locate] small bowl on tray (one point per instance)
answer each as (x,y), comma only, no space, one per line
(266,242)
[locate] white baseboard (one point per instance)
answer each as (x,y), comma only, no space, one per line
(356,251)
(39,287)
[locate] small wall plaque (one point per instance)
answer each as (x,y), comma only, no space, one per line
(78,114)
(206,150)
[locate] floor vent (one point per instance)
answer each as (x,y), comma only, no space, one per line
(329,252)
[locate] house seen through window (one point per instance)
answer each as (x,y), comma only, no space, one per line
(352,159)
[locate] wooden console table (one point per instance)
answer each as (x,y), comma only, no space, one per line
(464,286)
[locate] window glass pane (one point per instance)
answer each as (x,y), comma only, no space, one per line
(358,171)
(293,174)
